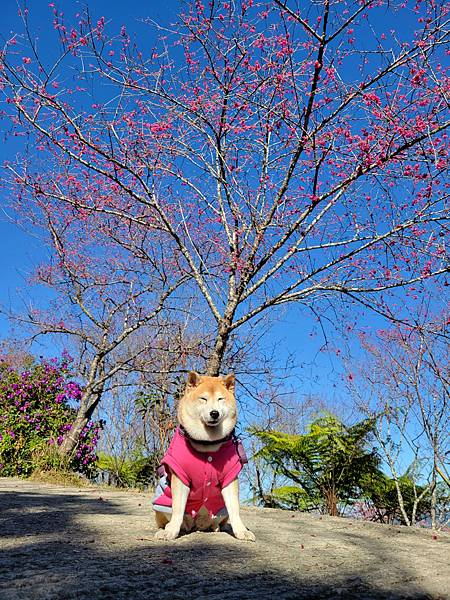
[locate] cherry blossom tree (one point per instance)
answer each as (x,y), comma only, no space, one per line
(279,152)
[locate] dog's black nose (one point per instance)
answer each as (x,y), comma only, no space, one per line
(214,414)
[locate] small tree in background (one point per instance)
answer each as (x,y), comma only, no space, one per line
(141,422)
(405,380)
(37,408)
(327,464)
(277,410)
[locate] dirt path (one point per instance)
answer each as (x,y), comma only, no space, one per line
(58,542)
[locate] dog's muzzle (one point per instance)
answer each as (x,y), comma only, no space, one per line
(214,416)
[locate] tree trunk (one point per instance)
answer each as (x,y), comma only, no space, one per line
(88,404)
(216,358)
(417,499)
(401,504)
(434,485)
(331,502)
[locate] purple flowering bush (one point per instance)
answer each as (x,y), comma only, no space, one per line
(37,407)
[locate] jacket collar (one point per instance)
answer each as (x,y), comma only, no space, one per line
(186,435)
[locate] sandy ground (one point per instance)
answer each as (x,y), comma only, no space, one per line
(59,542)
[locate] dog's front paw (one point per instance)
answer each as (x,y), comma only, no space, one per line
(244,534)
(167,534)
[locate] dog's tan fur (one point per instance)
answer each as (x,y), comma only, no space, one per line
(204,394)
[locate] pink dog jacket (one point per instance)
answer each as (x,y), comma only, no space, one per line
(206,473)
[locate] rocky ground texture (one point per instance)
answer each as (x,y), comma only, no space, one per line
(65,543)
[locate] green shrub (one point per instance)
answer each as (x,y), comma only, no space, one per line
(327,464)
(135,471)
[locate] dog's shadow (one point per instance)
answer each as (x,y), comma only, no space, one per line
(223,529)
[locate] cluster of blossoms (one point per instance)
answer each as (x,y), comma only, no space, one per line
(37,408)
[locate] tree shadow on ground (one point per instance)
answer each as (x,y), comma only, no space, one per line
(47,552)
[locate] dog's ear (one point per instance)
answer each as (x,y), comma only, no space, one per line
(193,379)
(229,381)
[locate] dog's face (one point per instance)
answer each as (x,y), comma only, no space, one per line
(208,408)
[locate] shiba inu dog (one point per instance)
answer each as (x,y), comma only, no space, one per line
(199,487)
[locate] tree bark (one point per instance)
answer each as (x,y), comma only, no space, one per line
(401,503)
(434,483)
(89,403)
(331,502)
(220,345)
(216,358)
